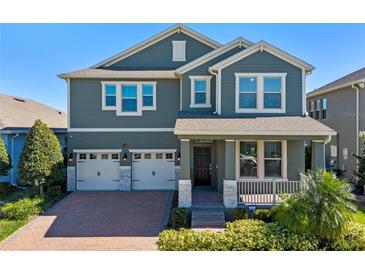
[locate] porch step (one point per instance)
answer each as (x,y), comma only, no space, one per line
(208,219)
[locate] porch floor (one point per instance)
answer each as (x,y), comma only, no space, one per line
(207,197)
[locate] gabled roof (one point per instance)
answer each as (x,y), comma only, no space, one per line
(347,80)
(213,54)
(156,38)
(263,46)
(17,112)
(127,74)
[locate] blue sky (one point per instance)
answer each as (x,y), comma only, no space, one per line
(31,55)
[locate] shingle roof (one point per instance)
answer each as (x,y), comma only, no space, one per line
(352,78)
(275,126)
(17,112)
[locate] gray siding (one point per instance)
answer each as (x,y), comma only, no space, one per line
(341,116)
(261,62)
(200,71)
(296,159)
(86,107)
(159,55)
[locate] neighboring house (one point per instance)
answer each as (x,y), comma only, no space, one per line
(341,105)
(181,111)
(17,116)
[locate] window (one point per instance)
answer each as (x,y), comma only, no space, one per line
(92,156)
(272,159)
(137,156)
(82,156)
(104,156)
(318,108)
(272,92)
(178,51)
(159,156)
(147,156)
(149,96)
(200,91)
(129,98)
(324,108)
(248,159)
(169,156)
(311,110)
(260,92)
(109,91)
(115,156)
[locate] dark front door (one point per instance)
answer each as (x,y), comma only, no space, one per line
(202,166)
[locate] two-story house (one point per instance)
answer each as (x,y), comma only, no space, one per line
(181,111)
(341,105)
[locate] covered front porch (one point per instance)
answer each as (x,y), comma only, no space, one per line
(241,167)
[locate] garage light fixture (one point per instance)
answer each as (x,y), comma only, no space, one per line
(125,157)
(178,156)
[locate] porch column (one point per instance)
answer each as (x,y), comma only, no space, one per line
(230,183)
(318,152)
(185,194)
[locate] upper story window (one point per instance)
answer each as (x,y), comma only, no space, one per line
(318,108)
(311,109)
(260,92)
(200,91)
(109,91)
(178,51)
(129,98)
(324,108)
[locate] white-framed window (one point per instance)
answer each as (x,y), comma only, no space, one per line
(104,156)
(148,156)
(159,156)
(200,91)
(149,96)
(82,156)
(115,156)
(260,92)
(324,108)
(178,51)
(137,156)
(261,159)
(318,109)
(169,156)
(312,109)
(92,156)
(109,93)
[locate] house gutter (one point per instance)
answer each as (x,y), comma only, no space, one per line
(216,90)
(12,157)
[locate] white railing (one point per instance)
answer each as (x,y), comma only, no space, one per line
(265,191)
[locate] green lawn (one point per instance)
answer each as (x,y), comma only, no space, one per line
(360,214)
(7,227)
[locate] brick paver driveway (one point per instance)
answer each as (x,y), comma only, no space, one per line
(97,221)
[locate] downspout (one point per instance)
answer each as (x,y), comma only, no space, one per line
(12,157)
(216,90)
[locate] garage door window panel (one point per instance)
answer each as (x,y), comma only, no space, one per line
(104,156)
(115,156)
(147,156)
(93,156)
(82,156)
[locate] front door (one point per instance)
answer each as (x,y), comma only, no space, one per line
(202,166)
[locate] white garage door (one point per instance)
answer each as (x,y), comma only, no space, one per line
(98,171)
(153,170)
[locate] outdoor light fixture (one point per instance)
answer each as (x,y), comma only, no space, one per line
(70,158)
(178,156)
(125,157)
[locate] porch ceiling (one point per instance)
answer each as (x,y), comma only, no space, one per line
(260,126)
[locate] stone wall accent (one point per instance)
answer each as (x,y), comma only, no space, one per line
(71,178)
(185,195)
(125,178)
(230,193)
(177,176)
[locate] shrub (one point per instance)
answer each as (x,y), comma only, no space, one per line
(263,215)
(5,160)
(179,218)
(54,192)
(4,188)
(352,240)
(23,209)
(40,157)
(240,214)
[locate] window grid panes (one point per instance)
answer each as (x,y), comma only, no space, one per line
(110,95)
(147,156)
(159,156)
(92,156)
(248,159)
(115,156)
(82,156)
(169,156)
(137,156)
(104,156)
(248,92)
(324,108)
(273,159)
(129,98)
(147,94)
(272,92)
(200,88)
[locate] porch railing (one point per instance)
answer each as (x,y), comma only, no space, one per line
(265,191)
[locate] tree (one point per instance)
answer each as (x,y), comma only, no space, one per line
(360,170)
(41,157)
(323,209)
(5,160)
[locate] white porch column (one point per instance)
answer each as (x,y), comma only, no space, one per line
(230,193)
(318,155)
(184,189)
(229,182)
(185,194)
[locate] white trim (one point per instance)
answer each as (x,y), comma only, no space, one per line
(185,140)
(261,46)
(180,94)
(152,150)
(154,106)
(138,98)
(213,54)
(156,38)
(260,93)
(219,89)
(103,105)
(315,92)
(229,140)
(108,74)
(255,133)
(120,129)
(176,46)
(207,92)
(97,150)
(304,100)
(68,82)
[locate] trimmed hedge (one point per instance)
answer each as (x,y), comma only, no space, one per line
(23,209)
(265,215)
(179,218)
(253,235)
(240,214)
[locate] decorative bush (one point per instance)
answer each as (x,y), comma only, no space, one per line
(179,218)
(54,192)
(4,188)
(323,209)
(23,209)
(5,160)
(265,215)
(41,156)
(240,214)
(353,240)
(242,235)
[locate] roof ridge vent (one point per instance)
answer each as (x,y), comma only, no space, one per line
(19,99)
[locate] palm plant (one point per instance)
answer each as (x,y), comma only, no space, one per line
(323,208)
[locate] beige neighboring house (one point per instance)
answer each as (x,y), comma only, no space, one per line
(17,115)
(341,106)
